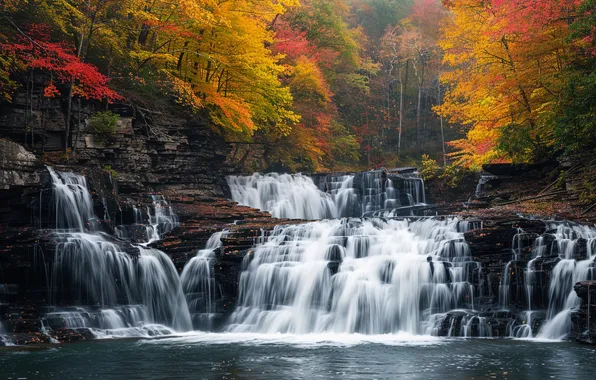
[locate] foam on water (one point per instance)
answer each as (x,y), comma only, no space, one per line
(304,340)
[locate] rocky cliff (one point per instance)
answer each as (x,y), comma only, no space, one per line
(182,160)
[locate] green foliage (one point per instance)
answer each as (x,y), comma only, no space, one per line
(378,15)
(104,124)
(108,169)
(430,168)
(453,175)
(575,122)
(324,25)
(449,176)
(517,142)
(344,148)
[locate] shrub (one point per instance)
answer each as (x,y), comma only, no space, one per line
(450,176)
(104,124)
(108,169)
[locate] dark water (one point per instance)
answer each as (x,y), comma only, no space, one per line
(286,357)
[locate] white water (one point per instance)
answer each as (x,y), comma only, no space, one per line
(74,206)
(385,282)
(198,282)
(295,196)
(334,279)
(90,269)
(157,220)
(482,181)
(301,340)
(283,195)
(120,321)
(4,339)
(162,220)
(568,271)
(561,296)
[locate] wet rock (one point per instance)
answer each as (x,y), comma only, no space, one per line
(519,169)
(583,319)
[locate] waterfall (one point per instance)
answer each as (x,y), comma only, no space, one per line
(74,206)
(481,185)
(415,188)
(163,219)
(517,245)
(569,270)
(345,197)
(296,196)
(354,276)
(283,195)
(198,282)
(93,269)
(119,321)
(4,339)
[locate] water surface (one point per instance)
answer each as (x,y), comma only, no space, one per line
(262,357)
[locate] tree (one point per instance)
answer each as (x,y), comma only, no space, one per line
(65,68)
(574,116)
(506,59)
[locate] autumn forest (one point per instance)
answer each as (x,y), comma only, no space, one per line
(324,85)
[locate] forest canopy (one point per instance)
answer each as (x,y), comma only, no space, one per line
(321,85)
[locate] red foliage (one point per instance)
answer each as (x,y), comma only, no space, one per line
(527,18)
(427,13)
(294,44)
(50,91)
(172,29)
(37,52)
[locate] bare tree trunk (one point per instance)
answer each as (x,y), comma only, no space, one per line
(420,79)
(67,117)
(418,116)
(31,121)
(76,139)
(27,111)
(243,159)
(69,101)
(43,126)
(441,122)
(401,111)
(31,114)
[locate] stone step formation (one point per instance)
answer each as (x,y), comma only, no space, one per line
(91,262)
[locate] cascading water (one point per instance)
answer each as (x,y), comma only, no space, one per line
(370,276)
(548,293)
(151,226)
(414,187)
(366,276)
(199,285)
(484,179)
(569,270)
(4,340)
(283,195)
(518,243)
(90,269)
(163,219)
(298,197)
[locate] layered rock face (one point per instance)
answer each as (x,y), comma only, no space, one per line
(583,319)
(510,269)
(127,177)
(181,159)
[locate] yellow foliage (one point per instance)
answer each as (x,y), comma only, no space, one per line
(498,77)
(308,81)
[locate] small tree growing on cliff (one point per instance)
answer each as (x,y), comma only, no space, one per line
(38,54)
(104,124)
